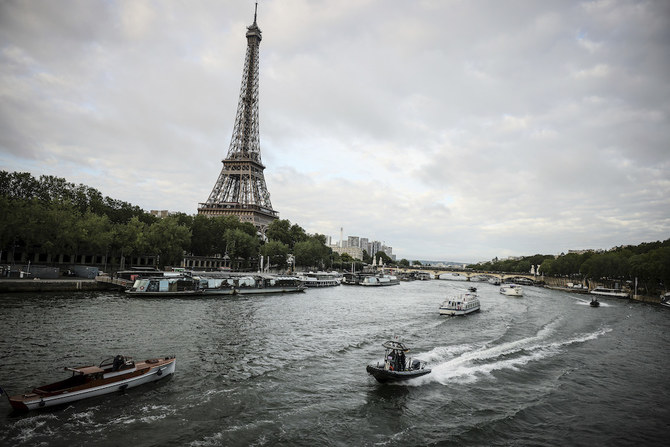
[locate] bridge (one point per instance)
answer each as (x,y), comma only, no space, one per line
(438,272)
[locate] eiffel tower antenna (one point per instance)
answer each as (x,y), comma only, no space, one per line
(240,188)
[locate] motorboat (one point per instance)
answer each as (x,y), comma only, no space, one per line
(594,302)
(216,286)
(113,374)
(369,279)
(665,299)
(166,286)
(461,305)
(201,286)
(261,284)
(396,366)
(380,280)
(423,276)
(604,291)
(472,289)
(511,290)
(321,279)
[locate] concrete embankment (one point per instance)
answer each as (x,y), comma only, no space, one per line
(568,285)
(647,299)
(52,285)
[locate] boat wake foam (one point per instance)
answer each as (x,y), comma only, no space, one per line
(470,363)
(583,302)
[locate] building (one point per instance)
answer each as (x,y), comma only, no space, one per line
(354,252)
(354,246)
(160,213)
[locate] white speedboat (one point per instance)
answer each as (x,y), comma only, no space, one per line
(511,290)
(113,374)
(665,299)
(604,291)
(460,305)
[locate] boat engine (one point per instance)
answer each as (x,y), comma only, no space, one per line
(416,364)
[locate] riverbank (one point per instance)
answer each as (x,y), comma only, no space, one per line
(583,291)
(51,285)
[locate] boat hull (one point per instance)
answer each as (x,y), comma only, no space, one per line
(33,401)
(260,291)
(322,283)
(609,293)
(383,375)
(511,291)
(461,305)
(171,294)
(458,312)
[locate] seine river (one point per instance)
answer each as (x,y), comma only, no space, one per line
(544,369)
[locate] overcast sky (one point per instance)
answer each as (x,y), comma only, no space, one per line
(450,130)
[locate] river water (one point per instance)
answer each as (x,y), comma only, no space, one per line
(544,369)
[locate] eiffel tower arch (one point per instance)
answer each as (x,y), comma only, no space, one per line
(240,189)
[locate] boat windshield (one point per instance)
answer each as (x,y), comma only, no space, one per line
(395,346)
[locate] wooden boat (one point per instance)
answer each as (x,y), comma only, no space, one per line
(112,374)
(396,366)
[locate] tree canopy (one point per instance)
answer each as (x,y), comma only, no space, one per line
(50,215)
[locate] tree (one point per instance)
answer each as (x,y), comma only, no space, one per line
(130,239)
(243,248)
(277,253)
(383,258)
(169,240)
(95,233)
(279,230)
(335,260)
(311,253)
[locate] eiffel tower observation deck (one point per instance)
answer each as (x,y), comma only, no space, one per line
(240,189)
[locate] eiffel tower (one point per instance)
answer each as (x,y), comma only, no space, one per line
(240,189)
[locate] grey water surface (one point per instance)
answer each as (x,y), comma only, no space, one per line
(544,369)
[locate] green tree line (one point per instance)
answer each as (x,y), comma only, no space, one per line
(49,215)
(648,262)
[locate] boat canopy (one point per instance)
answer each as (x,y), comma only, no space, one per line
(395,346)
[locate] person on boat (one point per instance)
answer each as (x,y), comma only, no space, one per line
(401,360)
(118,362)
